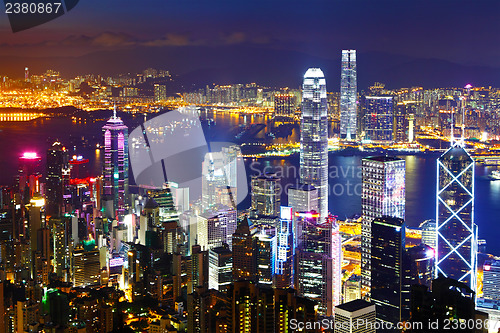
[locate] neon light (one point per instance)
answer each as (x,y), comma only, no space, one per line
(30,156)
(487,267)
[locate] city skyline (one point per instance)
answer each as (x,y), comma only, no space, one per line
(250,167)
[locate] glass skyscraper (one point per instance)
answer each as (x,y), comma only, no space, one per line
(387,253)
(348,95)
(314,136)
(319,252)
(383,194)
(456,231)
(116,163)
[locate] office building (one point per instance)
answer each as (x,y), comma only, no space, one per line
(491,280)
(266,194)
(303,198)
(456,255)
(387,256)
(219,170)
(428,228)
(216,227)
(86,268)
(220,268)
(318,259)
(284,250)
(378,118)
(348,96)
(243,251)
(420,263)
(116,165)
(351,289)
(314,136)
(383,194)
(355,317)
(57,159)
(264,257)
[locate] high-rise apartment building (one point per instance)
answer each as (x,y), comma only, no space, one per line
(378,124)
(314,136)
(160,93)
(404,121)
(284,105)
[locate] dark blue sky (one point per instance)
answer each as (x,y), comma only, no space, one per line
(465,32)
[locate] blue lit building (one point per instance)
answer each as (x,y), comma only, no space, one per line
(456,232)
(348,95)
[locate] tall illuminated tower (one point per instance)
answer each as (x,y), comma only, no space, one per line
(314,136)
(383,194)
(318,256)
(348,95)
(456,232)
(116,163)
(57,158)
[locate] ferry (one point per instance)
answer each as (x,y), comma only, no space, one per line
(495,175)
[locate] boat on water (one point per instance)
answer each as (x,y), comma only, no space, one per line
(495,175)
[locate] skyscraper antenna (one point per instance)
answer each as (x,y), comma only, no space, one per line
(114,111)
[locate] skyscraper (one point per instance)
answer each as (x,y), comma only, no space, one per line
(243,251)
(357,316)
(116,164)
(56,160)
(387,253)
(283,250)
(220,268)
(383,194)
(404,121)
(378,118)
(348,95)
(491,280)
(314,136)
(219,182)
(266,193)
(456,231)
(303,198)
(318,258)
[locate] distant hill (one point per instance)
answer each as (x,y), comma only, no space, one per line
(200,65)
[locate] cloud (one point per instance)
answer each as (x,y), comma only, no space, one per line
(234,38)
(173,40)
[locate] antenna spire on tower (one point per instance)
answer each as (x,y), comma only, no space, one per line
(114,111)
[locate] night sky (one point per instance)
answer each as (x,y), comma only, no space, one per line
(211,34)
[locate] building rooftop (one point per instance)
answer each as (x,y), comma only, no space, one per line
(383,158)
(355,305)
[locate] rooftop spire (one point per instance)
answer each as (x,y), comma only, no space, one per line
(114,111)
